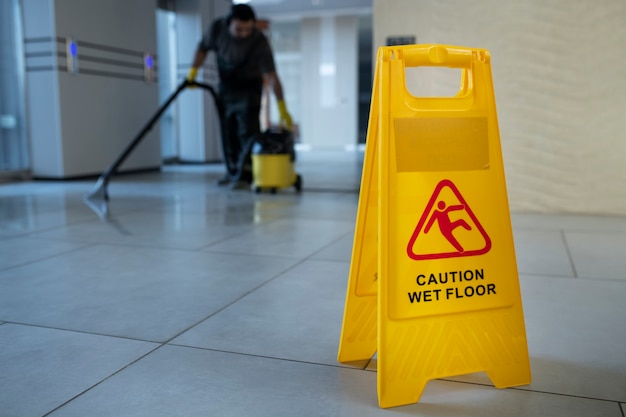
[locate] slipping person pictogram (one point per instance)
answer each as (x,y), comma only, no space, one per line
(476,243)
(442,216)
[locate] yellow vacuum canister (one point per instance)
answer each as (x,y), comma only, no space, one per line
(273,162)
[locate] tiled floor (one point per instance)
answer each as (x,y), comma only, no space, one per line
(191,300)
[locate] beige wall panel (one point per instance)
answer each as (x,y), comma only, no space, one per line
(560,83)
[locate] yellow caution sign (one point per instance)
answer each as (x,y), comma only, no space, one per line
(433,285)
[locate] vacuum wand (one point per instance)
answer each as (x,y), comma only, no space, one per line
(100,190)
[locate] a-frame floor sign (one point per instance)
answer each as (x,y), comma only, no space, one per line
(433,286)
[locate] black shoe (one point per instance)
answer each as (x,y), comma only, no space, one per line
(225,180)
(240,185)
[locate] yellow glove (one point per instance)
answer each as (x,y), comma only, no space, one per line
(285,117)
(191,76)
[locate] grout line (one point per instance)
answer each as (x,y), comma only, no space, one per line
(252,355)
(167,342)
(102,381)
(343,236)
(279,274)
(336,366)
(590,279)
(85,245)
(331,190)
(569,253)
(41,326)
(207,248)
(164,343)
(582,397)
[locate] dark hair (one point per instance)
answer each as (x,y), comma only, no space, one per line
(241,12)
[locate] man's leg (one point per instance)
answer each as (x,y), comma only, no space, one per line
(248,130)
(230,140)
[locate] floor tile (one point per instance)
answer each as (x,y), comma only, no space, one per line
(140,293)
(330,170)
(153,229)
(105,209)
(169,181)
(286,237)
(311,205)
(297,316)
(576,338)
(45,194)
(323,205)
(22,250)
(598,255)
(188,382)
(43,368)
(340,250)
(542,253)
(21,214)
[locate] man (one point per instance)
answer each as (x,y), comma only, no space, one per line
(245,62)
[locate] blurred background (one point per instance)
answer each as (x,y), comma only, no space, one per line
(80,77)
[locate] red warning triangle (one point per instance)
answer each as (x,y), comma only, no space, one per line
(454,225)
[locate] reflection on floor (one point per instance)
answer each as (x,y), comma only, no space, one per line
(193,300)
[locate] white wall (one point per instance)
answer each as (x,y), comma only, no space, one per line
(324,104)
(329,81)
(559,77)
(79,123)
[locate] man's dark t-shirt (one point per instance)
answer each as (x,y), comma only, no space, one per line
(241,62)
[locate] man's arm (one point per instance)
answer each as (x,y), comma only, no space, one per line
(272,80)
(206,44)
(198,60)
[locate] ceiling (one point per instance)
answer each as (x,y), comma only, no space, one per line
(305,7)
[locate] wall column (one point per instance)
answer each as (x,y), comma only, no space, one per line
(84,112)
